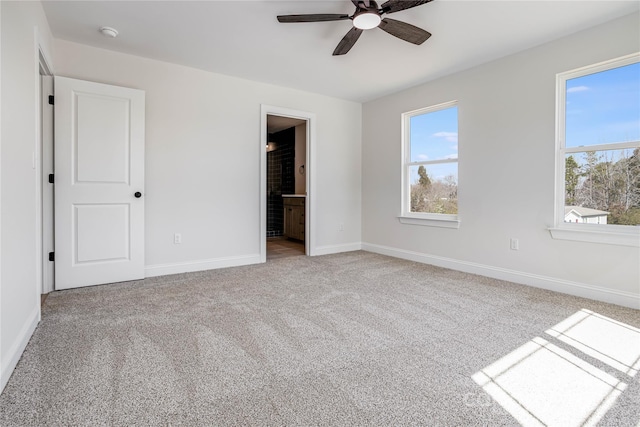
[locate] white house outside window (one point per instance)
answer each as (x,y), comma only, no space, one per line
(598,153)
(430,166)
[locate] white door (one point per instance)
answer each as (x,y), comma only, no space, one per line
(99,183)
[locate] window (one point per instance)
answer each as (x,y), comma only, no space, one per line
(430,166)
(598,153)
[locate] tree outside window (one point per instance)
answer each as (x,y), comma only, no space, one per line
(431,161)
(599,143)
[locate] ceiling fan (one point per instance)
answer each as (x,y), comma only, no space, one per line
(367,16)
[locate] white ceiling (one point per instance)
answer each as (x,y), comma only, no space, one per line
(244,39)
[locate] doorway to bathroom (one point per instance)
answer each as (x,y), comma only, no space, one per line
(286,226)
(286,186)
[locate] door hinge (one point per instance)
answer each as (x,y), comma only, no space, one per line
(51,99)
(51,256)
(50,178)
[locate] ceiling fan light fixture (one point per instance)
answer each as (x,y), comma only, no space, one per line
(367,16)
(366,20)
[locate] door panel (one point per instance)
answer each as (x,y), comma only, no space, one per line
(108,224)
(102,139)
(99,166)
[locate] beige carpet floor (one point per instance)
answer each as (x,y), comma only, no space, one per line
(348,339)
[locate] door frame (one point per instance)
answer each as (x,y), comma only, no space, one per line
(43,64)
(310,202)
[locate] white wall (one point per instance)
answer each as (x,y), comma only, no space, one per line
(506,173)
(202,158)
(3,380)
(23,27)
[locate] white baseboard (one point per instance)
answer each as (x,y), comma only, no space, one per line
(335,249)
(626,299)
(200,265)
(15,352)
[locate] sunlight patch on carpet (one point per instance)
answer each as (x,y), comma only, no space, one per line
(614,343)
(541,384)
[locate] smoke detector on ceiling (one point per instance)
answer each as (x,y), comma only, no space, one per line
(109,32)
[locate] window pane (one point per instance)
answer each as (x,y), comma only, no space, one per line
(603,107)
(603,187)
(434,135)
(434,188)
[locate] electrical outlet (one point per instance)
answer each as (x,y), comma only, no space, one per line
(514,244)
(177,238)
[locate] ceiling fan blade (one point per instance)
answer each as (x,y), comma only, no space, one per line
(348,41)
(404,31)
(398,5)
(315,17)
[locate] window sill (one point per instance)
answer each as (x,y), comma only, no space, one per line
(631,238)
(448,221)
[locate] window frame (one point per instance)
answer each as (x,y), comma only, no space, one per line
(423,218)
(615,234)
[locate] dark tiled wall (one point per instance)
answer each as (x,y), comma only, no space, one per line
(280,178)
